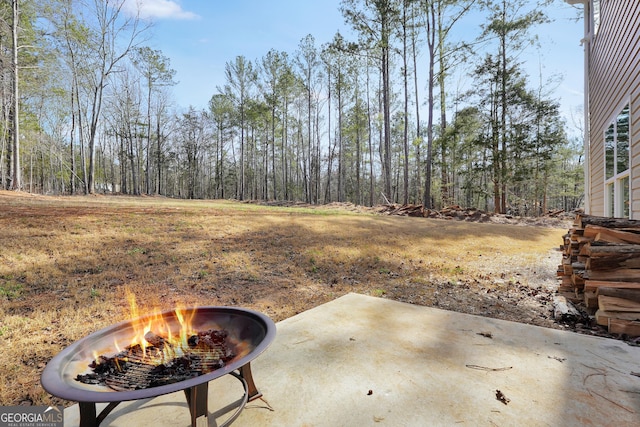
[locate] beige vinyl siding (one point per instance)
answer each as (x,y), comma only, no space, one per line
(634,148)
(614,80)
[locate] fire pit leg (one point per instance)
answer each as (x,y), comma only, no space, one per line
(245,372)
(88,416)
(197,399)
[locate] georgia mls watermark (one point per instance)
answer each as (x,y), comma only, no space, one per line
(31,416)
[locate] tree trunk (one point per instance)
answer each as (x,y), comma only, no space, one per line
(405,135)
(340,147)
(370,142)
(16,172)
(386,113)
(72,178)
(503,116)
(431,34)
(147,172)
(417,103)
(158,157)
(447,196)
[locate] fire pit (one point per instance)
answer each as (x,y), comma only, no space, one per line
(160,354)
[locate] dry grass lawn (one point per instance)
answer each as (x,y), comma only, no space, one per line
(65,263)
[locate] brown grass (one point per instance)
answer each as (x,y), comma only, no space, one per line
(65,263)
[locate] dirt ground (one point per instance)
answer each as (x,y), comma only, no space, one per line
(67,262)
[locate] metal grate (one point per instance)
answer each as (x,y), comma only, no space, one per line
(133,369)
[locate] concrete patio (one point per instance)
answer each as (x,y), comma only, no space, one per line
(365,361)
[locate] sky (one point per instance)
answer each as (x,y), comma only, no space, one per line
(201,36)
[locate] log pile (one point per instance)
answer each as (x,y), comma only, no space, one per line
(449,212)
(457,213)
(601,268)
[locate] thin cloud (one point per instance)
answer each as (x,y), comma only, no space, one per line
(157,9)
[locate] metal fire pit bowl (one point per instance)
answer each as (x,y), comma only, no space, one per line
(252,329)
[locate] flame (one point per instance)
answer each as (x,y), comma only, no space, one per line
(174,337)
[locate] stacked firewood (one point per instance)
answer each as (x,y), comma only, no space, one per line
(601,267)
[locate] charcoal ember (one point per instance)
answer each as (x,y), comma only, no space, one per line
(212,338)
(214,335)
(155,340)
(131,369)
(193,341)
(90,378)
(134,350)
(188,361)
(109,365)
(103,368)
(178,369)
(100,361)
(175,366)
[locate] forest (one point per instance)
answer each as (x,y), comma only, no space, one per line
(368,118)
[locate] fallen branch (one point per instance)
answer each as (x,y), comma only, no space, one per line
(385,198)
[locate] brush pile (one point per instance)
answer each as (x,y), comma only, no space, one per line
(554,219)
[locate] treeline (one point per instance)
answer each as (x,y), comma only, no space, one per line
(87,108)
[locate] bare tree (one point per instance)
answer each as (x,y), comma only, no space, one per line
(241,77)
(113,26)
(375,21)
(16,171)
(155,69)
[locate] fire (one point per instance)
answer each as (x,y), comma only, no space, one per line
(163,348)
(159,339)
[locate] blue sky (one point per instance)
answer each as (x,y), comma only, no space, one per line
(200,36)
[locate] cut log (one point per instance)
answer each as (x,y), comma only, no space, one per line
(610,256)
(584,249)
(583,220)
(603,317)
(613,260)
(598,249)
(627,327)
(567,282)
(628,294)
(590,299)
(606,303)
(582,240)
(598,233)
(593,285)
(619,274)
(577,266)
(577,278)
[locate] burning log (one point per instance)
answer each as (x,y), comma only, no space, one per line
(155,340)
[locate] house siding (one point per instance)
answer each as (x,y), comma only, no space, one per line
(614,81)
(635,150)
